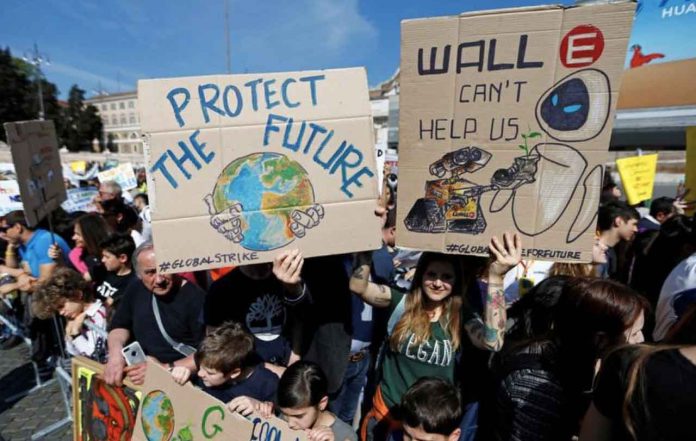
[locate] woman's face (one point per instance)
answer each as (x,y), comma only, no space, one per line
(634,334)
(438,281)
(77,237)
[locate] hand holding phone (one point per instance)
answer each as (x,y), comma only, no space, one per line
(134,354)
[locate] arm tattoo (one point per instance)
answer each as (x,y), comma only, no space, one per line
(491,335)
(488,333)
(359,273)
(381,297)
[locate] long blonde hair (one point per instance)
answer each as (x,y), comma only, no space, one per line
(415,320)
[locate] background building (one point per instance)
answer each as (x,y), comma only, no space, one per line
(119,113)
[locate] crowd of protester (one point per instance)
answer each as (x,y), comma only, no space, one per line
(390,344)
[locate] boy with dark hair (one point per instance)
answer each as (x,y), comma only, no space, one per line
(616,222)
(116,250)
(227,368)
(430,410)
(661,209)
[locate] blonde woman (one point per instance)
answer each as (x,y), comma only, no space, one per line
(425,325)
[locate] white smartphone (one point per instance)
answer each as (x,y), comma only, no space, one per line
(133,354)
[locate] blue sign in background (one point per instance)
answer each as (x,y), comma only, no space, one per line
(663,27)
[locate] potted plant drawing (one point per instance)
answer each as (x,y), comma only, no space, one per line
(524,167)
(527,164)
(527,136)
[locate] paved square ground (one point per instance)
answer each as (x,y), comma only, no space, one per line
(26,415)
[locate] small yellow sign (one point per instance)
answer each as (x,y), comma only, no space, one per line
(78,166)
(690,178)
(638,177)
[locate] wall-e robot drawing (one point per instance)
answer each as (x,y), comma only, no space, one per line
(574,110)
(454,203)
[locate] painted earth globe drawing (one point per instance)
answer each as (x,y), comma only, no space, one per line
(157,416)
(263,181)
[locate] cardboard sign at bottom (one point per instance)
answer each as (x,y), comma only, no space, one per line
(170,411)
(101,411)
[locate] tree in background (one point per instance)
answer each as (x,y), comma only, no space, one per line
(15,88)
(82,123)
(76,126)
(49,92)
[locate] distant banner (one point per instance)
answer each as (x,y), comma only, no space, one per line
(80,199)
(75,178)
(123,175)
(661,58)
(662,30)
(9,197)
(79,167)
(638,177)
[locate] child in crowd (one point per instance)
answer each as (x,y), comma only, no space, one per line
(430,410)
(67,293)
(227,368)
(116,252)
(302,401)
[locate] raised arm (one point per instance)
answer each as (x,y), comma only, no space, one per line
(373,294)
(489,333)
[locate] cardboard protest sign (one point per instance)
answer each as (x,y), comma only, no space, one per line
(638,177)
(245,166)
(37,164)
(505,121)
(123,174)
(9,197)
(171,411)
(381,136)
(80,199)
(101,411)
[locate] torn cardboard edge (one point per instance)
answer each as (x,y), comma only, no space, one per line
(499,11)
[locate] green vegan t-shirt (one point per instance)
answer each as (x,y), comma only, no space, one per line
(432,358)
